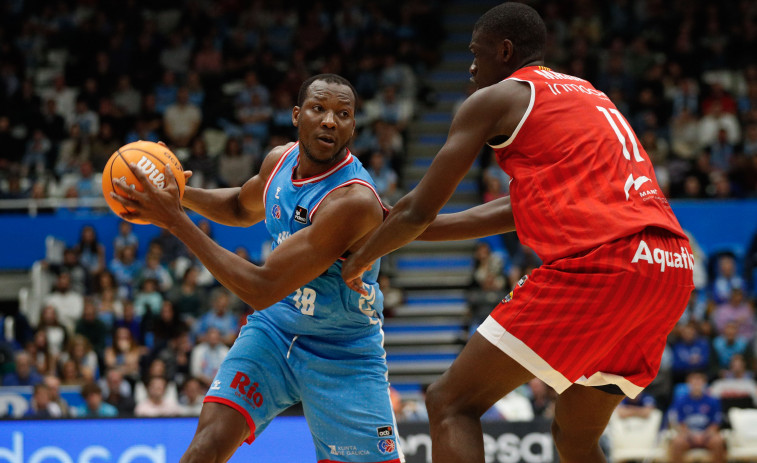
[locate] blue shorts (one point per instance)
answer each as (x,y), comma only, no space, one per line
(342,385)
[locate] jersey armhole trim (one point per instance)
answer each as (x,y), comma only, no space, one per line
(525,115)
(349,182)
(275,171)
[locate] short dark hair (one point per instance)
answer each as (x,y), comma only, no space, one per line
(329,79)
(89,389)
(518,22)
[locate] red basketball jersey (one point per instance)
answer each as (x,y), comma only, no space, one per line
(580,177)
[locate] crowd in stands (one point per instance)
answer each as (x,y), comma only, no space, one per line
(215,81)
(144,334)
(685,76)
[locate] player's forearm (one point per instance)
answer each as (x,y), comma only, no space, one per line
(248,281)
(492,218)
(219,205)
(403,224)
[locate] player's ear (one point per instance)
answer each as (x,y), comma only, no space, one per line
(296,116)
(506,50)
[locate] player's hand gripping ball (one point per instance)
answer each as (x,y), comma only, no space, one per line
(151,158)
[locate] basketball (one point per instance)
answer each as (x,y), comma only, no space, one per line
(151,158)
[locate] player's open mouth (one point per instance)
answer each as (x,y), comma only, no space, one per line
(327,140)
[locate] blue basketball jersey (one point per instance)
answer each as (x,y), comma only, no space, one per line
(325,306)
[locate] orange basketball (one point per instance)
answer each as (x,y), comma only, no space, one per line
(151,158)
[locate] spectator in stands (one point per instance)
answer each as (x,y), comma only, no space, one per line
(126,97)
(157,368)
(207,356)
(715,120)
(255,116)
(53,385)
(103,146)
(177,357)
(188,298)
(70,373)
(696,417)
(106,300)
(737,387)
(218,317)
(117,392)
(639,407)
(87,120)
(125,237)
(182,119)
(35,157)
(166,92)
(76,271)
(92,328)
(192,395)
(80,351)
(55,332)
(691,352)
(154,270)
(124,355)
(204,168)
(739,310)
(489,282)
(25,374)
(44,361)
(68,304)
(384,177)
(94,406)
(73,150)
(729,344)
(390,108)
(40,404)
(90,250)
(167,326)
(156,404)
(726,279)
(512,407)
(125,268)
(542,398)
(235,167)
(129,320)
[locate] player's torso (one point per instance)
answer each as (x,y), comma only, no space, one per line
(325,306)
(580,177)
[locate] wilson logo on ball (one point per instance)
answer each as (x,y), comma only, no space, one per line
(153,173)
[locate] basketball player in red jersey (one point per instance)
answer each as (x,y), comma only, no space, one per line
(593,319)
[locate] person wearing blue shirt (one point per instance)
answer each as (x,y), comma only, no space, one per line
(94,405)
(220,318)
(25,374)
(691,352)
(696,417)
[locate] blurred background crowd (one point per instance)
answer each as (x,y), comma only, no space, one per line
(216,81)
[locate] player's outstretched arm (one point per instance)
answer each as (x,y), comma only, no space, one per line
(240,206)
(343,219)
(492,218)
(489,112)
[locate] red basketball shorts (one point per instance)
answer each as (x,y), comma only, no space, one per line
(598,318)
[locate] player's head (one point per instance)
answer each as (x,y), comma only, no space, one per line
(325,117)
(506,38)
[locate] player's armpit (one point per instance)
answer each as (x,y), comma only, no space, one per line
(492,218)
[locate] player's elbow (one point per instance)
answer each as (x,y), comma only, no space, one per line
(413,214)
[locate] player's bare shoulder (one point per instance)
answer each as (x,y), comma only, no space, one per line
(499,107)
(356,199)
(272,158)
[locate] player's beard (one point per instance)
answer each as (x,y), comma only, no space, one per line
(322,161)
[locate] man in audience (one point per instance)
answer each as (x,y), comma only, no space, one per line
(696,417)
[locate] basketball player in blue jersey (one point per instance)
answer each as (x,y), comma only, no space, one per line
(311,339)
